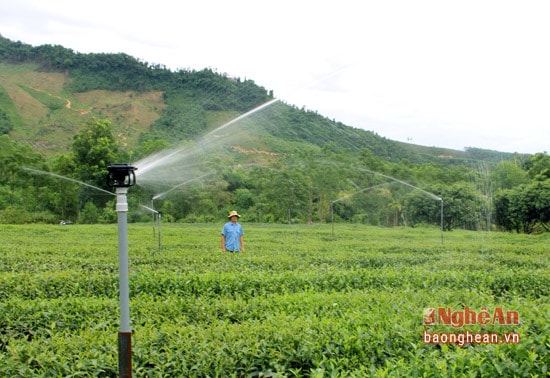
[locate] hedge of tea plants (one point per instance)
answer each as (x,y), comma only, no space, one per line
(301,301)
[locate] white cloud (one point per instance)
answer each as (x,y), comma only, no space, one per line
(445,74)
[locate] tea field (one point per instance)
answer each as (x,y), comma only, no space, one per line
(300,302)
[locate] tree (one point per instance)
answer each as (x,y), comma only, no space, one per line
(462,207)
(508,175)
(94,149)
(20,189)
(280,193)
(524,208)
(420,208)
(66,204)
(538,167)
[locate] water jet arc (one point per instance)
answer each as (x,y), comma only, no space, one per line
(348,196)
(414,187)
(37,171)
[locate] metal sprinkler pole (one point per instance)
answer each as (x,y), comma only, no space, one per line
(441,199)
(125,333)
(332,216)
(159,214)
(153,214)
(121,177)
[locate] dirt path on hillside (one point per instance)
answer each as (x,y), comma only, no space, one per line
(68,104)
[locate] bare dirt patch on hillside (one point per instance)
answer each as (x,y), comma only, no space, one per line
(131,113)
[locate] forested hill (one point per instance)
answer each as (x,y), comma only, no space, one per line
(48,92)
(73,114)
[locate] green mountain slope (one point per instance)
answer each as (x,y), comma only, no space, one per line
(234,147)
(48,92)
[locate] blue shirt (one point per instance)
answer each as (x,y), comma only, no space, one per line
(232,232)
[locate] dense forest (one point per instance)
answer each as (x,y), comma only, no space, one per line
(279,164)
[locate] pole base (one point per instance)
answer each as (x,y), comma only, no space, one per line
(125,354)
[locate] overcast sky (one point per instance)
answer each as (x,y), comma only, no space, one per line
(437,73)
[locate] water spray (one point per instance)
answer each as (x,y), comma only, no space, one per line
(401,182)
(121,177)
(169,165)
(348,196)
(157,196)
(256,109)
(414,187)
(159,215)
(37,171)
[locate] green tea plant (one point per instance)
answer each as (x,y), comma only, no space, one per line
(299,302)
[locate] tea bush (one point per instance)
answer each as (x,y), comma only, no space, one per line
(300,302)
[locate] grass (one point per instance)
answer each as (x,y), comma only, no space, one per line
(300,302)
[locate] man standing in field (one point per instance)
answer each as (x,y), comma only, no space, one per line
(232,234)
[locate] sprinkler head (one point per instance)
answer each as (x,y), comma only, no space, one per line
(121,175)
